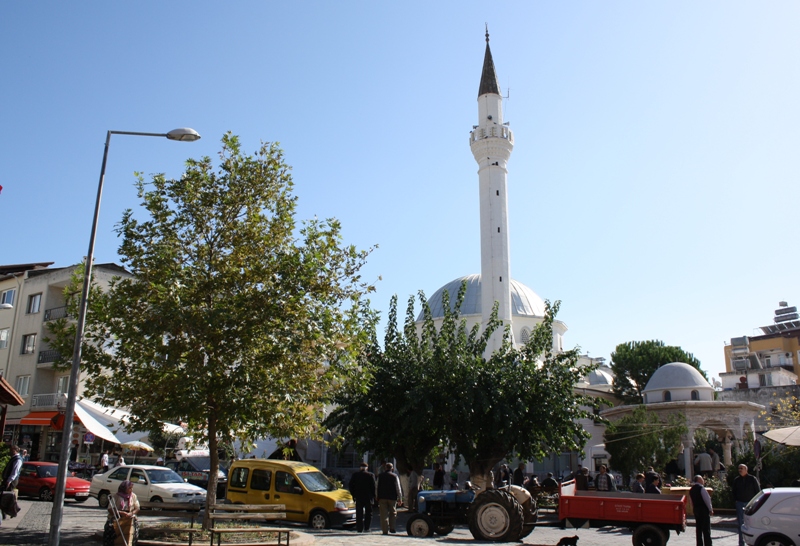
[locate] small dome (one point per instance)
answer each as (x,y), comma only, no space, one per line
(676,375)
(599,377)
(524,301)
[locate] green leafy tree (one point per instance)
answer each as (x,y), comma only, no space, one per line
(392,412)
(634,363)
(641,439)
(519,401)
(237,320)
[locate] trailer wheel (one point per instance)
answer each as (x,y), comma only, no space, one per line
(420,525)
(649,535)
(497,516)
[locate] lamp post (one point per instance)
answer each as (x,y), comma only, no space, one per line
(185,135)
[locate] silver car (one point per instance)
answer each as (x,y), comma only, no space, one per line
(150,483)
(772,518)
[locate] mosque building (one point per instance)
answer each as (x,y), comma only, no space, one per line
(491,142)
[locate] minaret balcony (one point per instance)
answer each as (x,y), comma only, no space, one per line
(495,131)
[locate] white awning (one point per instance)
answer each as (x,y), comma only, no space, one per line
(116,420)
(93,426)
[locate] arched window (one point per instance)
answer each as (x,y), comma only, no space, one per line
(667,396)
(695,395)
(525,335)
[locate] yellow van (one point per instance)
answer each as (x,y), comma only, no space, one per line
(307,493)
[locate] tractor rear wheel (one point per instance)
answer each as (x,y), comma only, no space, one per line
(531,515)
(497,516)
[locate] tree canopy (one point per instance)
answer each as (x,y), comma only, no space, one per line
(634,362)
(237,320)
(432,386)
(640,439)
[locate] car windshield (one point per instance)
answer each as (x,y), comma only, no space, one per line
(47,471)
(316,481)
(163,475)
(200,463)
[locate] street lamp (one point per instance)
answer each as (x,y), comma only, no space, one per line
(183,134)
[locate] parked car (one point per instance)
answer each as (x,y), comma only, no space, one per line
(38,479)
(150,483)
(196,469)
(308,494)
(772,518)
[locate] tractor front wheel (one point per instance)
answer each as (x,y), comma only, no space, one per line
(420,526)
(496,515)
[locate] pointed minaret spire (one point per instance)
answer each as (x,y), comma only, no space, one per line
(488,77)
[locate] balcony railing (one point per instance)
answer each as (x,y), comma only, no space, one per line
(55,313)
(53,400)
(48,356)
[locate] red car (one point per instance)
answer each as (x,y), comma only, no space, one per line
(38,479)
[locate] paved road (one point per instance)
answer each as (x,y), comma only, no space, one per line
(82,521)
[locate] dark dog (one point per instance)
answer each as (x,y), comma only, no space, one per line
(568,541)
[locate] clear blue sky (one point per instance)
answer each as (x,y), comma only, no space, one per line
(653,185)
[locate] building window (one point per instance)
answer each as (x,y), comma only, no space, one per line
(34,302)
(23,385)
(63,384)
(695,395)
(525,335)
(765,380)
(667,396)
(28,344)
(8,296)
(767,362)
(4,338)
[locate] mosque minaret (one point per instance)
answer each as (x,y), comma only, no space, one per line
(491,142)
(519,307)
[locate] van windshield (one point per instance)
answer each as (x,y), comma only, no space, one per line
(316,481)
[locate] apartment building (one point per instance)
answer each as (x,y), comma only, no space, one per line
(33,295)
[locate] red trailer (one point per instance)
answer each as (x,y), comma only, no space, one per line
(651,517)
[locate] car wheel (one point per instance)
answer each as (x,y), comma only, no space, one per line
(45,494)
(649,535)
(81,499)
(156,499)
(420,525)
(775,540)
(319,520)
(102,499)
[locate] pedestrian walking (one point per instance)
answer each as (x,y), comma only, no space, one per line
(362,487)
(701,504)
(9,485)
(104,461)
(519,475)
(744,488)
(438,477)
(389,496)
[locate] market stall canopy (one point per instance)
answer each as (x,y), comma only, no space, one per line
(789,436)
(8,395)
(116,420)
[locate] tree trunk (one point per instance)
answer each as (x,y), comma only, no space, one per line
(213,473)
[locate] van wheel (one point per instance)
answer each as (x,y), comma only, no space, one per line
(319,520)
(102,499)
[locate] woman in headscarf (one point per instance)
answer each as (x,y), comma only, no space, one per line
(122,527)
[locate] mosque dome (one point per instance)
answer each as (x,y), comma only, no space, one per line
(524,301)
(599,377)
(677,381)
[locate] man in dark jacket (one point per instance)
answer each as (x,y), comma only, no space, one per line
(362,487)
(389,495)
(604,481)
(519,475)
(744,488)
(438,477)
(701,503)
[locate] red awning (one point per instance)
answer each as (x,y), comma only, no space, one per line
(41,418)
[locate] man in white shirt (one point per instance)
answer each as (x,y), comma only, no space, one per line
(104,461)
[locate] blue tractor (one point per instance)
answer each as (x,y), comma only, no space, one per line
(507,514)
